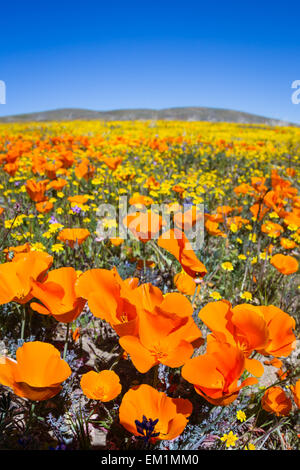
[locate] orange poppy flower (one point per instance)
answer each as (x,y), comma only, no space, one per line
(51,168)
(110,298)
(73,236)
(215,374)
(284,264)
(112,162)
(185,283)
(274,362)
(213,229)
(37,373)
(12,155)
(276,401)
(282,340)
(287,244)
(144,225)
(259,210)
(149,297)
(148,413)
(57,184)
(11,168)
(243,326)
(36,190)
(243,188)
(258,184)
(37,258)
(216,218)
(104,385)
(273,200)
(272,229)
(44,206)
(166,330)
(16,249)
(151,183)
(16,277)
(140,200)
(116,241)
(176,243)
(57,295)
(275,178)
(295,389)
(290,171)
(79,199)
(292,219)
(224,210)
(178,189)
(282,186)
(67,158)
(85,170)
(38,164)
(185,221)
(169,350)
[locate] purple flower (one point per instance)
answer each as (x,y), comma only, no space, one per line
(60,446)
(146,428)
(76,210)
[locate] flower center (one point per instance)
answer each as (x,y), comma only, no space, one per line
(20,295)
(124,317)
(243,345)
(158,353)
(100,392)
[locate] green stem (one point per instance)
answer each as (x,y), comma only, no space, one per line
(117,360)
(144,255)
(159,253)
(66,341)
(196,293)
(23,323)
(30,417)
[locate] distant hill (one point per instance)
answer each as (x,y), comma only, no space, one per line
(178,114)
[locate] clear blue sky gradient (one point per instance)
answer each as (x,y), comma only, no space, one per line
(114,55)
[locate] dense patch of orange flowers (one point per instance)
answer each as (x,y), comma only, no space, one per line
(153,327)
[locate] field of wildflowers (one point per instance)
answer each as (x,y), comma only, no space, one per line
(117,331)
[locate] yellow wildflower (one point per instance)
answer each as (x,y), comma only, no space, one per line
(250,447)
(227,266)
(241,416)
(233,228)
(38,247)
(57,247)
(215,295)
(229,439)
(246,295)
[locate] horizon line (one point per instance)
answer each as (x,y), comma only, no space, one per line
(146,109)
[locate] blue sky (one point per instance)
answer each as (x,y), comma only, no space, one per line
(113,55)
